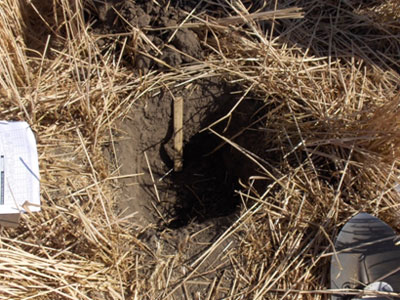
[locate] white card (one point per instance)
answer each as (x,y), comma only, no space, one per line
(19,169)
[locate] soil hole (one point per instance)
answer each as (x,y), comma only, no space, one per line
(205,188)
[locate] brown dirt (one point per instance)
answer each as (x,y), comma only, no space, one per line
(205,189)
(188,210)
(121,16)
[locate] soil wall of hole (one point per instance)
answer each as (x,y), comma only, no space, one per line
(205,189)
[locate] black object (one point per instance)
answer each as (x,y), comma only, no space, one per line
(366,252)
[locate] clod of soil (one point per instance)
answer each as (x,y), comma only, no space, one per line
(174,47)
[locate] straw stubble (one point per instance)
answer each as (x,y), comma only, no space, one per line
(331,149)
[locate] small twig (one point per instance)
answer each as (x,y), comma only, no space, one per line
(152,178)
(178,133)
(287,13)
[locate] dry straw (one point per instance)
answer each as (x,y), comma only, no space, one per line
(327,148)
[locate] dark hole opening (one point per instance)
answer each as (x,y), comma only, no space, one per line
(205,188)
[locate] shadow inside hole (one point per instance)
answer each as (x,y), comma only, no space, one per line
(205,187)
(208,185)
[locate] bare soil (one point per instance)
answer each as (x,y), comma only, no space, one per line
(188,210)
(205,189)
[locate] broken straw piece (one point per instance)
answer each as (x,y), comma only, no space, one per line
(178,134)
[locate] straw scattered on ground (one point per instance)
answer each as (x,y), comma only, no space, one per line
(327,73)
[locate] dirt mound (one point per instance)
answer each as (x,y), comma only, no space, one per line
(162,47)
